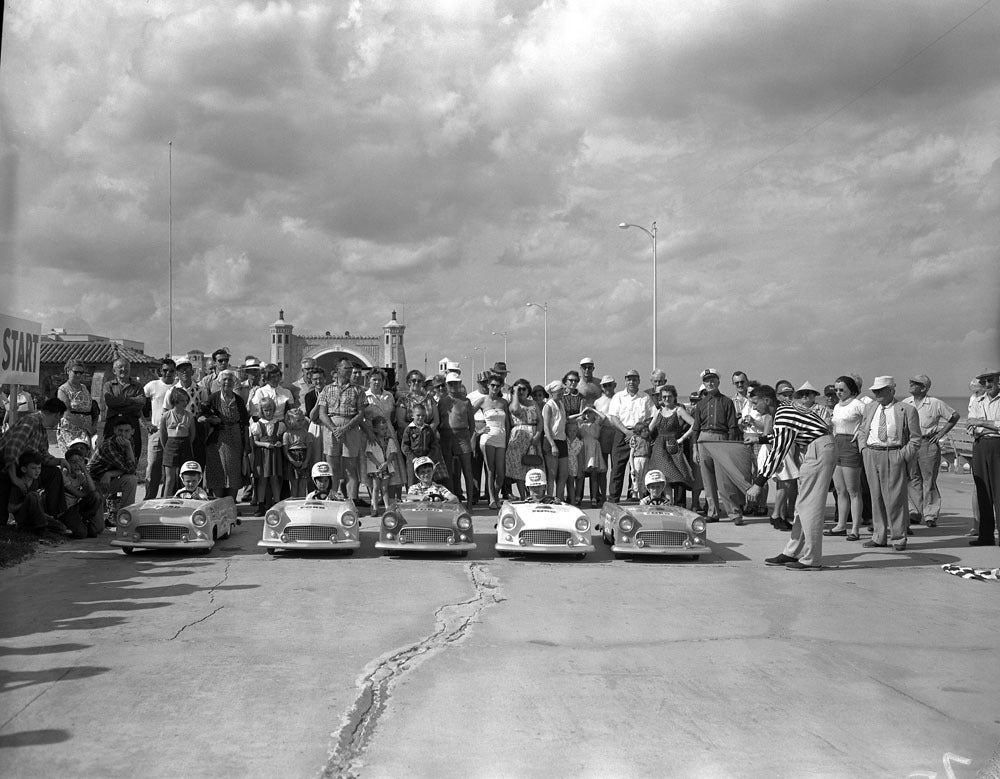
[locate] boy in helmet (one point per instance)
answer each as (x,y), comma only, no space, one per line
(426,488)
(191,482)
(535,482)
(656,486)
(322,479)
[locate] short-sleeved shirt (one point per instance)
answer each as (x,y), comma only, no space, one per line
(933,413)
(631,408)
(28,433)
(157,391)
(342,400)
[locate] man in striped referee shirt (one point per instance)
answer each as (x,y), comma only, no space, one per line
(806,434)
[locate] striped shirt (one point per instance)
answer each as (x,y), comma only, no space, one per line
(792,425)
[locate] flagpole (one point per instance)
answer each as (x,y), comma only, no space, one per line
(170,246)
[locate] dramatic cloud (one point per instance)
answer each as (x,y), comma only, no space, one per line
(825,178)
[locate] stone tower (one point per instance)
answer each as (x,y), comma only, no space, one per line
(281,343)
(393,353)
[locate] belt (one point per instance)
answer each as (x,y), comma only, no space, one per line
(880,448)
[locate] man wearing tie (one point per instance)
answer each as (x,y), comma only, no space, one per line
(888,438)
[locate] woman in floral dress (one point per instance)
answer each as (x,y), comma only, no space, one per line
(525,433)
(77,423)
(670,427)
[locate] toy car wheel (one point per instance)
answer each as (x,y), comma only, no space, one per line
(582,556)
(272,550)
(127,549)
(621,556)
(504,554)
(609,538)
(203,551)
(464,553)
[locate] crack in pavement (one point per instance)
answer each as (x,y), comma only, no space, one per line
(18,713)
(453,622)
(211,600)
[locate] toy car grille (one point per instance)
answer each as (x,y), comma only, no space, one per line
(161,532)
(545,537)
(309,532)
(425,535)
(662,537)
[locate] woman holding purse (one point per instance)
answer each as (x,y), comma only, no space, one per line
(523,452)
(670,427)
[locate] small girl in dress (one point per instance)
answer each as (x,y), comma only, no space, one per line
(383,460)
(191,488)
(639,461)
(177,432)
(300,451)
(267,433)
(588,421)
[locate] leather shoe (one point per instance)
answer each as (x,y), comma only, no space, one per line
(931,523)
(872,545)
(899,547)
(738,519)
(712,518)
(797,566)
(781,559)
(832,532)
(780,523)
(977,542)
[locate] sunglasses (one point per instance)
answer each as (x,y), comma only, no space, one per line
(222,359)
(80,372)
(572,381)
(496,386)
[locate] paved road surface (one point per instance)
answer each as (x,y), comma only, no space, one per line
(240,664)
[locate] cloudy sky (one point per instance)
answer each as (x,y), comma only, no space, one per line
(825,178)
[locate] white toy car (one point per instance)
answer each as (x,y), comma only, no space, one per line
(653,530)
(542,526)
(426,526)
(174,523)
(304,524)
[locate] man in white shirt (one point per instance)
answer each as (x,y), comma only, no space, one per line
(984,425)
(888,438)
(936,421)
(626,408)
(156,392)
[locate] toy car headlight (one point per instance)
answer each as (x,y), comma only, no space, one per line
(124,518)
(698,526)
(199,519)
(627,524)
(508,522)
(464,522)
(272,518)
(389,522)
(583,524)
(349,519)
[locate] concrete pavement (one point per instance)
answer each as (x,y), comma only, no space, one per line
(240,664)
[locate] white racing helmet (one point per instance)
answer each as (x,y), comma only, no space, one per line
(191,467)
(322,469)
(655,477)
(420,462)
(535,478)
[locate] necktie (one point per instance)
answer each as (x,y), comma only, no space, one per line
(883,428)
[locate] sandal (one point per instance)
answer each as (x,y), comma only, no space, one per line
(831,532)
(853,537)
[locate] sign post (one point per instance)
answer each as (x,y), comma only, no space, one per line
(19,360)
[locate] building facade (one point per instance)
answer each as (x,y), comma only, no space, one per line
(288,348)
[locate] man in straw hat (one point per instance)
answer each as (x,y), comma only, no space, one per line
(936,421)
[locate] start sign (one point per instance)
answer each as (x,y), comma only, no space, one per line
(19,350)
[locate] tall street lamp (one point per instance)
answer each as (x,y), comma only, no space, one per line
(652,235)
(545,337)
(504,334)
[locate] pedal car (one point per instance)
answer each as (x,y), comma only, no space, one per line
(426,526)
(653,530)
(303,524)
(174,523)
(542,526)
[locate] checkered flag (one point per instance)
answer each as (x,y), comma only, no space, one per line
(979,574)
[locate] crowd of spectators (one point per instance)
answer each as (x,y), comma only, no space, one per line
(764,450)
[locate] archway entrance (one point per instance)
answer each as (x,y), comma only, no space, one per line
(329,360)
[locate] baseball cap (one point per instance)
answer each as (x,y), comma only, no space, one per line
(632,373)
(420,462)
(453,377)
(922,379)
(587,361)
(608,380)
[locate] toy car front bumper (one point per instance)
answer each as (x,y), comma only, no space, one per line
(516,548)
(661,551)
(274,543)
(198,543)
(408,546)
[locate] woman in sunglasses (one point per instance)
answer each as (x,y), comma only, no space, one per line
(415,395)
(493,440)
(525,435)
(77,423)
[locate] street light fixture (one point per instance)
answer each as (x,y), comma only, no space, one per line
(545,337)
(504,334)
(652,235)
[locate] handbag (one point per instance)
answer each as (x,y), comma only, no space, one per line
(672,447)
(531,458)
